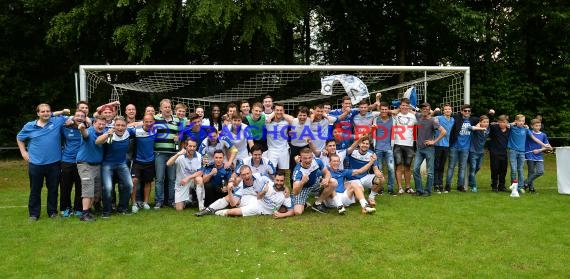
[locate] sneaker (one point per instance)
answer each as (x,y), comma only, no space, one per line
(341,210)
(87,217)
(401,191)
(158,205)
(78,213)
(525,187)
(474,189)
(33,218)
(135,208)
(206,211)
(531,189)
(522,191)
(368,210)
(409,190)
(391,193)
(124,212)
(53,216)
(66,213)
(106,215)
(461,189)
(438,189)
(446,192)
(372,202)
(321,208)
(145,206)
(426,194)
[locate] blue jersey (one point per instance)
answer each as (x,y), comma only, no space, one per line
(144,143)
(447,125)
(478,139)
(72,141)
(464,138)
(517,138)
(357,160)
(314,171)
(116,152)
(222,174)
(44,146)
(532,145)
(340,176)
(90,152)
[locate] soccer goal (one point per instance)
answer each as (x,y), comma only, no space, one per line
(292,85)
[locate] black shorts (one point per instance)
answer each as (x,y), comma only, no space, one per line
(144,172)
(403,155)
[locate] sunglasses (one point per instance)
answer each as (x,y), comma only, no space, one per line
(466,110)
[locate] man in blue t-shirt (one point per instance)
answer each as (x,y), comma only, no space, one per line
(43,156)
(116,142)
(460,142)
(89,160)
(311,177)
(143,169)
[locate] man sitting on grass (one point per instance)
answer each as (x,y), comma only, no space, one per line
(270,201)
(245,193)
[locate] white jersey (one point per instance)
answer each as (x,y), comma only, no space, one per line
(265,167)
(259,182)
(403,128)
(239,140)
(320,131)
(277,135)
(274,199)
(299,130)
(186,166)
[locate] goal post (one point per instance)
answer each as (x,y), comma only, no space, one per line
(292,85)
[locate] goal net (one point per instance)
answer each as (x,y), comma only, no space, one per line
(205,85)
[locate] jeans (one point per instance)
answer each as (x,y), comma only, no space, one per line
(125,187)
(516,159)
(456,156)
(475,161)
(427,153)
(37,173)
(388,157)
(535,170)
(70,177)
(160,159)
(441,154)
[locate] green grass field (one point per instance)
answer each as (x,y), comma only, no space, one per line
(457,235)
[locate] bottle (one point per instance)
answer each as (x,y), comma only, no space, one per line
(110,138)
(176,146)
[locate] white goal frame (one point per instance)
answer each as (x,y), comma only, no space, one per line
(430,73)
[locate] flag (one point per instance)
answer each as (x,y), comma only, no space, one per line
(354,87)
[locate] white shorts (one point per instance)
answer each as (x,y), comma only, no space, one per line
(279,158)
(254,208)
(365,181)
(346,201)
(247,200)
(182,192)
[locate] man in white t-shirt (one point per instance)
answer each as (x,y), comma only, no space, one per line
(403,134)
(269,202)
(277,145)
(188,173)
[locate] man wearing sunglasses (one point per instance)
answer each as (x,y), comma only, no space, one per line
(460,142)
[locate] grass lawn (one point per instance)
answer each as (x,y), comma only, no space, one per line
(456,235)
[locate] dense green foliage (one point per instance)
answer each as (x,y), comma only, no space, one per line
(519,51)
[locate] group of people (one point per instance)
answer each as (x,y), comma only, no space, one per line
(235,163)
